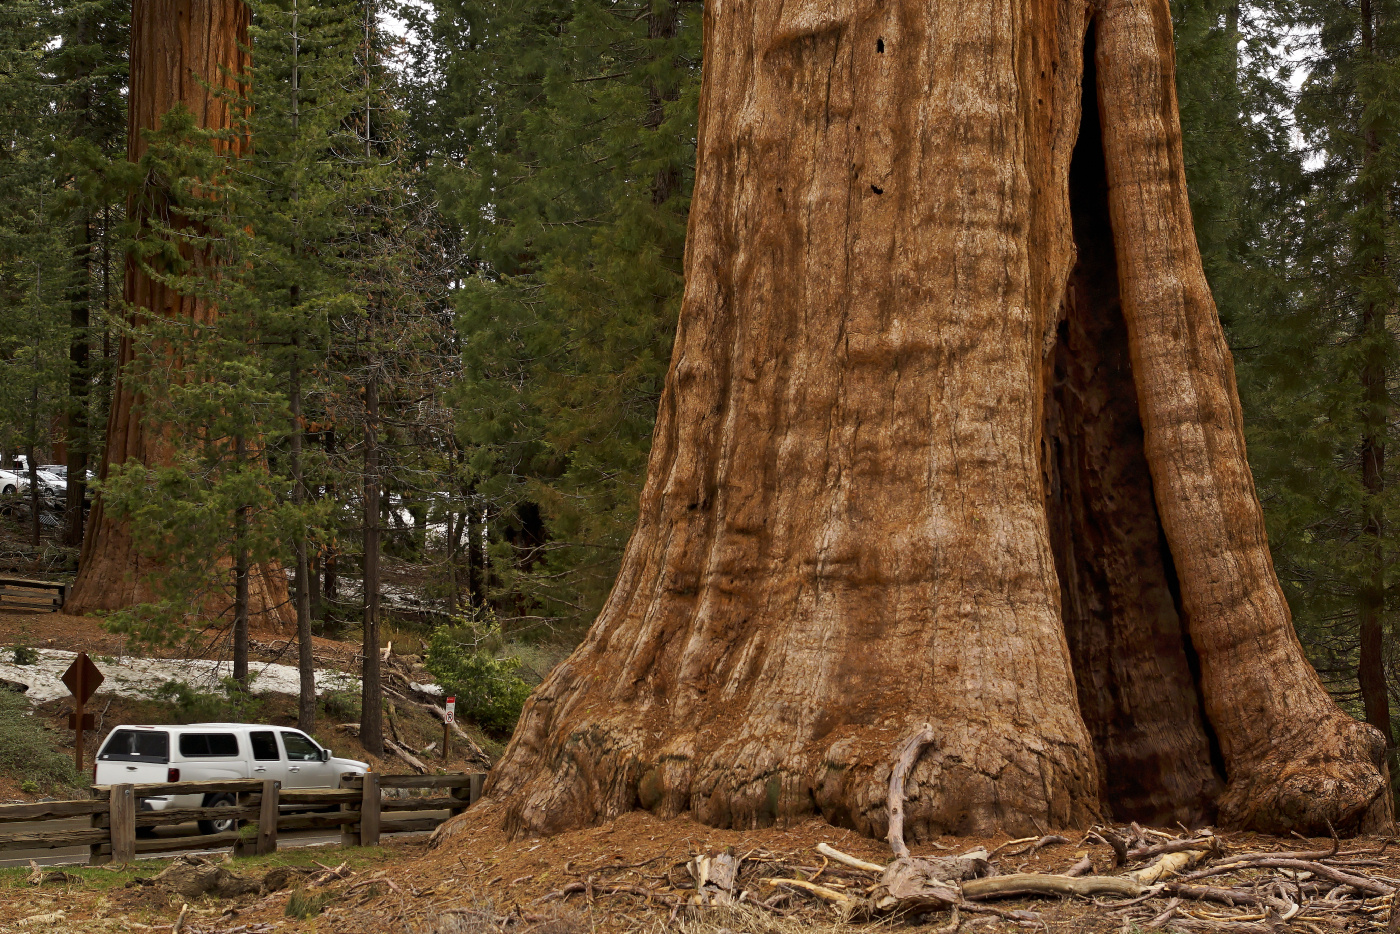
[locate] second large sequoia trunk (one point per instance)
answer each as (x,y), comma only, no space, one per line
(189,53)
(950,435)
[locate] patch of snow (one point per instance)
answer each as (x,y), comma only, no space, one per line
(140,677)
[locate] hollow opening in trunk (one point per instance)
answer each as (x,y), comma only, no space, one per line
(1132,658)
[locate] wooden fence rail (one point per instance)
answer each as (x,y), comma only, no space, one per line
(114,813)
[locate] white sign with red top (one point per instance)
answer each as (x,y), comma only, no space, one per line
(451,710)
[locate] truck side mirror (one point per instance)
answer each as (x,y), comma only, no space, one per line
(325,755)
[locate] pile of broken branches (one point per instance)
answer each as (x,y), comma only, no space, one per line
(1153,879)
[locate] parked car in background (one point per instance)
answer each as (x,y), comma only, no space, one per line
(12,482)
(52,488)
(204,752)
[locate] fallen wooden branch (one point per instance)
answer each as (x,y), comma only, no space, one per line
(1036,883)
(904,762)
(846,859)
(408,757)
(1083,867)
(1331,873)
(1211,893)
(1169,864)
(821,891)
(1120,849)
(1036,843)
(1174,846)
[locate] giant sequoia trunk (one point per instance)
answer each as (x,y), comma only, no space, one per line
(188,52)
(950,435)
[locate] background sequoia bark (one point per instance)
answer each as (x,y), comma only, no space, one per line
(182,52)
(951,435)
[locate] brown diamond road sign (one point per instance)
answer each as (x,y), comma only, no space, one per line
(82,677)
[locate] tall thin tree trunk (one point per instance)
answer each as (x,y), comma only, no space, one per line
(79,378)
(371,728)
(330,562)
(306,703)
(301,587)
(79,299)
(36,501)
(371,713)
(1370,672)
(663,22)
(846,527)
(240,579)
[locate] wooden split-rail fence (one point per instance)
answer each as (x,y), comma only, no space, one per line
(360,807)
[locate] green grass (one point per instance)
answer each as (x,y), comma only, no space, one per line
(111,876)
(302,905)
(89,877)
(31,751)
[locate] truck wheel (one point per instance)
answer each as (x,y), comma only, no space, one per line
(219,825)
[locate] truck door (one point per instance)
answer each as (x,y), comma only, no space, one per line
(304,766)
(267,758)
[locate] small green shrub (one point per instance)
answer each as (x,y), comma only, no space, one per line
(31,750)
(24,655)
(341,704)
(29,787)
(489,690)
(227,703)
(302,905)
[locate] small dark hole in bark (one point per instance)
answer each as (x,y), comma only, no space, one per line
(878,190)
(879,45)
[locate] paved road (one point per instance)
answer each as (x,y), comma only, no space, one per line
(78,855)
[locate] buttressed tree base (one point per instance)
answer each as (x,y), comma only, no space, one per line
(950,434)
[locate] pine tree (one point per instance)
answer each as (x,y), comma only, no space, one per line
(1324,356)
(89,63)
(562,139)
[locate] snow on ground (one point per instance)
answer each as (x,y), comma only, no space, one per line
(139,677)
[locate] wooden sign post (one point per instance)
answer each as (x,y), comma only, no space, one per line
(82,679)
(449,716)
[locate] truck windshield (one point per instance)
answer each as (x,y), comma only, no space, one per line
(137,746)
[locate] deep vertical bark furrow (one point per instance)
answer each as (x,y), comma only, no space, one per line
(1293,759)
(182,52)
(1136,689)
(842,533)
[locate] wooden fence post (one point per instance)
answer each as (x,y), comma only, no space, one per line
(349,833)
(123,818)
(267,817)
(369,810)
(98,821)
(474,783)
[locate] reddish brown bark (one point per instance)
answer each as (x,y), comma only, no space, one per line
(183,52)
(950,435)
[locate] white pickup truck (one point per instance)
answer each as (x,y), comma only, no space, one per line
(202,752)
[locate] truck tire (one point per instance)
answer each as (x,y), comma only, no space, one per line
(219,825)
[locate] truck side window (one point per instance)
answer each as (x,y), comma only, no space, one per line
(137,746)
(208,745)
(299,748)
(264,746)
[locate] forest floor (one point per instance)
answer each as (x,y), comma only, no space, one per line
(630,875)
